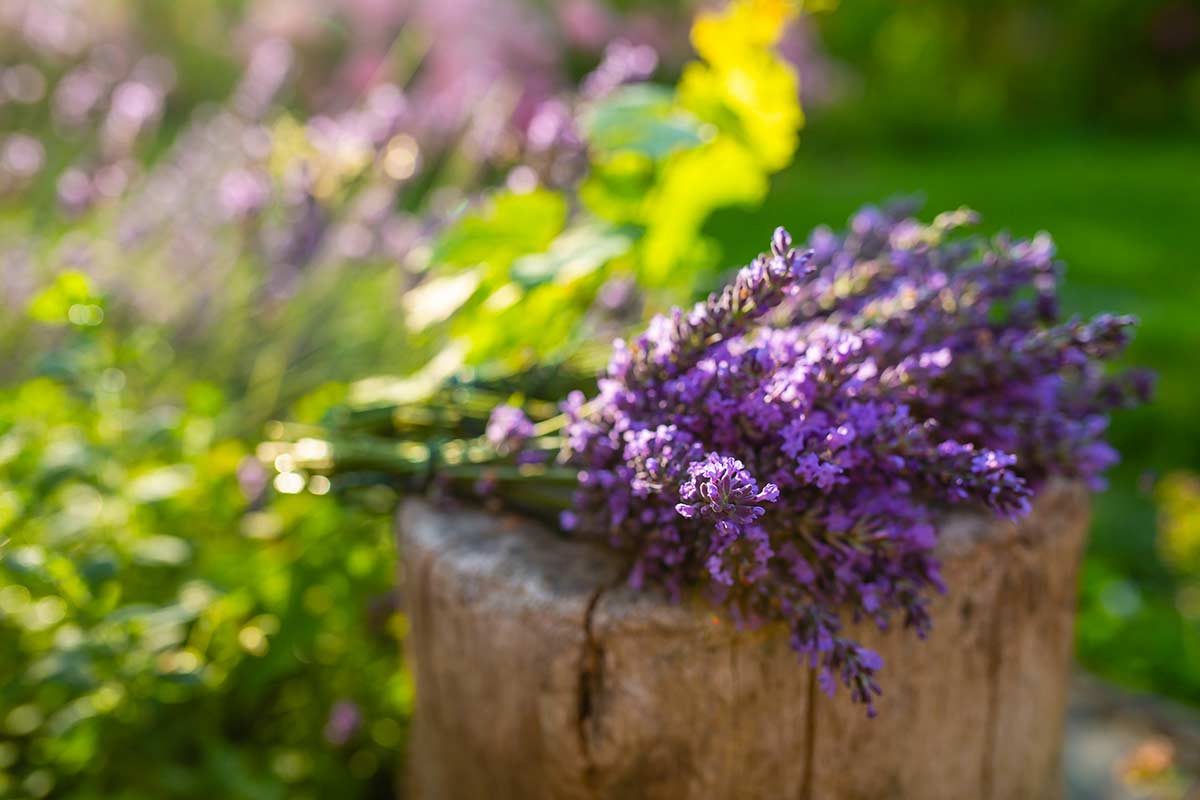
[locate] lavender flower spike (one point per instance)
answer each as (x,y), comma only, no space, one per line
(671,344)
(508,428)
(720,488)
(912,370)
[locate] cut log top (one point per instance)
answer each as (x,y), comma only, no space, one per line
(540,673)
(542,568)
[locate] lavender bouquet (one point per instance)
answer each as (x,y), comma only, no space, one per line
(785,445)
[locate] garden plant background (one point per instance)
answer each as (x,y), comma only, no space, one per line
(218,215)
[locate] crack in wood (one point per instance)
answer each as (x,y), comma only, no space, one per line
(591,685)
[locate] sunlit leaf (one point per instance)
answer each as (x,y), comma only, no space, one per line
(387,389)
(694,184)
(741,84)
(161,483)
(572,255)
(437,298)
(70,298)
(167,551)
(508,226)
(643,119)
(617,187)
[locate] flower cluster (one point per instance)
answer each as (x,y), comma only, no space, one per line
(508,428)
(786,444)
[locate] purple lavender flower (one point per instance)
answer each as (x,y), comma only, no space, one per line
(624,62)
(890,372)
(252,478)
(508,428)
(345,718)
(720,488)
(672,343)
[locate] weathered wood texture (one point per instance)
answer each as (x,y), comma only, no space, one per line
(540,675)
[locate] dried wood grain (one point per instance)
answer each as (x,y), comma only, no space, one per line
(540,675)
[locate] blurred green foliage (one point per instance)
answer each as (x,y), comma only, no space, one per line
(166,634)
(930,68)
(525,267)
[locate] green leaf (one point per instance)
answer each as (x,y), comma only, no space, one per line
(741,84)
(421,385)
(433,301)
(161,483)
(70,298)
(576,253)
(617,187)
(508,226)
(167,551)
(693,185)
(643,119)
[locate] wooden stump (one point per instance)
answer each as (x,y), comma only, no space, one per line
(541,675)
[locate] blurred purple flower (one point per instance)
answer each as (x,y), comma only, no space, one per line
(252,478)
(242,193)
(889,372)
(623,63)
(508,428)
(345,719)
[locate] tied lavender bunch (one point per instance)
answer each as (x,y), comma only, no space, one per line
(786,444)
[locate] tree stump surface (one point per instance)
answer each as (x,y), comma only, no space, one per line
(540,674)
